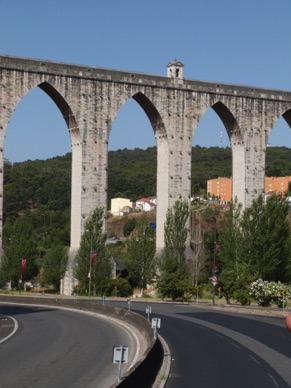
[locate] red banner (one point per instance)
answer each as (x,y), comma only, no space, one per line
(93,258)
(23,264)
(217,247)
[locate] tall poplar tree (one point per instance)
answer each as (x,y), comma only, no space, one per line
(21,244)
(255,243)
(141,254)
(236,271)
(267,237)
(175,279)
(93,267)
(55,265)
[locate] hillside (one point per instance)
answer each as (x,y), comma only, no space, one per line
(45,184)
(115,225)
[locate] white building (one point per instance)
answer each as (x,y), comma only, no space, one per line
(145,204)
(120,206)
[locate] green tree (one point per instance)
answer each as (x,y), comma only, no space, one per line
(118,287)
(267,232)
(255,243)
(198,260)
(141,255)
(22,244)
(129,226)
(175,278)
(175,285)
(93,241)
(55,265)
(235,267)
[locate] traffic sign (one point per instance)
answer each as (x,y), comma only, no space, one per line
(214,280)
(156,323)
(120,354)
(148,309)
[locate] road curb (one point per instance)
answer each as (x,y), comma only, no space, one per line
(165,369)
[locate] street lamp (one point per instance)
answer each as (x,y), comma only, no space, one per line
(213,275)
(214,265)
(90,266)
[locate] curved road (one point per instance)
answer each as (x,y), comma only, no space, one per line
(60,348)
(214,348)
(209,347)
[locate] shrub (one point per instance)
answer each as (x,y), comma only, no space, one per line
(243,297)
(129,226)
(118,287)
(269,292)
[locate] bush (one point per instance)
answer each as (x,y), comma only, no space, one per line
(175,286)
(243,297)
(129,226)
(267,293)
(118,287)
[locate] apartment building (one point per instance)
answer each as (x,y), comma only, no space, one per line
(222,187)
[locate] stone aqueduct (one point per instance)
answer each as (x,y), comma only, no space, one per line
(90,98)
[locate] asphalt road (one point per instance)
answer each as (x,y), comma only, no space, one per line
(213,348)
(209,347)
(60,348)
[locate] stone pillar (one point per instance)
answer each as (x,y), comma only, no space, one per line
(255,140)
(180,126)
(162,190)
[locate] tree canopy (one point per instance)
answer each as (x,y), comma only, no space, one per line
(141,255)
(255,243)
(93,268)
(175,278)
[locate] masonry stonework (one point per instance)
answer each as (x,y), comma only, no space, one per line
(90,98)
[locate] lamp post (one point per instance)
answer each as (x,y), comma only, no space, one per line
(90,267)
(213,275)
(214,265)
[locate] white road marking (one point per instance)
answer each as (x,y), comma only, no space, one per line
(274,381)
(236,345)
(13,331)
(254,359)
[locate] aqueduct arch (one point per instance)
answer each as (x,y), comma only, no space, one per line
(90,98)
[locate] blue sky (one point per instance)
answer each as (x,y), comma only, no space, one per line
(235,41)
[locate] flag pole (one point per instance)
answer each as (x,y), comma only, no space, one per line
(90,265)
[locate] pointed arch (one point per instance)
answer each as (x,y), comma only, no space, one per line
(237,147)
(229,121)
(162,186)
(280,124)
(287,116)
(152,113)
(162,164)
(65,110)
(76,173)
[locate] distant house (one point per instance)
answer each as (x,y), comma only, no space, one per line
(153,200)
(120,206)
(145,204)
(269,194)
